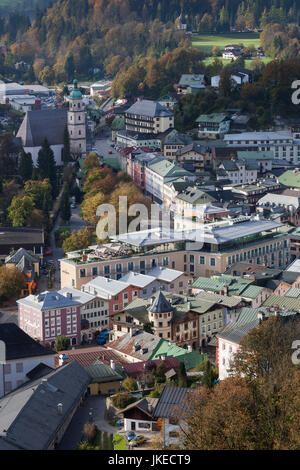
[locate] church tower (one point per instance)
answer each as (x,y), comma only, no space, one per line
(76,122)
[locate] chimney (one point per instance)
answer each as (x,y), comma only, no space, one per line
(62,360)
(59,408)
(44,381)
(84,257)
(112,364)
(189,348)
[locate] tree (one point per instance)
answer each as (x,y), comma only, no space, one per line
(46,165)
(66,149)
(40,192)
(12,281)
(182,377)
(90,162)
(20,211)
(25,166)
(65,210)
(61,343)
(90,431)
(78,240)
(225,85)
(129,384)
(209,375)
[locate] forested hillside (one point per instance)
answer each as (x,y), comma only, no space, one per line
(77,36)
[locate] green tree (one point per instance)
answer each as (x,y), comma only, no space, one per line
(65,210)
(46,165)
(20,211)
(25,166)
(129,384)
(182,377)
(209,375)
(66,148)
(61,343)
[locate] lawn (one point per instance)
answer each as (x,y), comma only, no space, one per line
(248,62)
(206,42)
(120,442)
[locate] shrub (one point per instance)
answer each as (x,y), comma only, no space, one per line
(90,431)
(123,399)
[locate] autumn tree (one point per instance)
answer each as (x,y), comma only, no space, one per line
(12,281)
(20,211)
(61,343)
(129,384)
(79,239)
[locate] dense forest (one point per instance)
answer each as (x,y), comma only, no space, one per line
(78,36)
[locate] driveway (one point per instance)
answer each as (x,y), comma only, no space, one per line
(73,435)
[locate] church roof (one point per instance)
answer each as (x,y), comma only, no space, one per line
(76,93)
(40,124)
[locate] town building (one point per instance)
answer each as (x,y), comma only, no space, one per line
(230,337)
(104,379)
(194,157)
(138,416)
(173,142)
(94,312)
(280,207)
(190,83)
(213,125)
(37,415)
(160,173)
(48,315)
(237,78)
(13,238)
(146,116)
(28,264)
(115,293)
(282,144)
(169,410)
(236,286)
(208,250)
(238,171)
(20,357)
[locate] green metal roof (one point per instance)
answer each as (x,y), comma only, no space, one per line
(290,178)
(212,118)
(255,155)
(101,373)
(76,93)
(290,303)
(169,169)
(165,348)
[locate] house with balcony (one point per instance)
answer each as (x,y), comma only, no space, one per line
(146,116)
(213,125)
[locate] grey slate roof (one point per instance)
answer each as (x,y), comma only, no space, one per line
(21,236)
(160,305)
(149,108)
(29,414)
(38,125)
(170,398)
(21,253)
(48,300)
(19,344)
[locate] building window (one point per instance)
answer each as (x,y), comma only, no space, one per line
(7,387)
(213,261)
(7,369)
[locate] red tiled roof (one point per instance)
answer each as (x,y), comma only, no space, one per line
(137,368)
(87,356)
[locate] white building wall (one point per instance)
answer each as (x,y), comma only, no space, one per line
(15,377)
(227,351)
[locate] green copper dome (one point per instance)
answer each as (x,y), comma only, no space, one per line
(75,94)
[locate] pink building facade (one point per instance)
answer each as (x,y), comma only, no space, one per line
(48,315)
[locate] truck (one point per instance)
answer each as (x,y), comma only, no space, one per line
(102,337)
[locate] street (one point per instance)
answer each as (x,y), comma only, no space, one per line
(103,146)
(94,405)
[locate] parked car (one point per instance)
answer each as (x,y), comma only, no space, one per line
(110,152)
(48,252)
(138,440)
(130,436)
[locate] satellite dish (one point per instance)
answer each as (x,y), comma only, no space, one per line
(2,352)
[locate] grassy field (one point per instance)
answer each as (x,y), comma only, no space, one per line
(120,442)
(248,62)
(206,42)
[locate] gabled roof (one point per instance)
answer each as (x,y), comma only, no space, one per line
(170,399)
(17,256)
(165,274)
(14,236)
(168,169)
(212,118)
(19,344)
(105,287)
(30,414)
(39,125)
(149,108)
(101,373)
